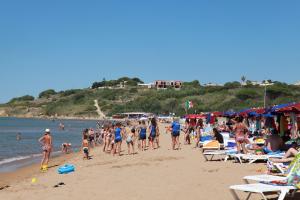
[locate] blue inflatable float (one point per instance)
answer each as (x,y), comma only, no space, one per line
(66,169)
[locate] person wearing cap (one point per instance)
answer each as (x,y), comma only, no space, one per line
(46,143)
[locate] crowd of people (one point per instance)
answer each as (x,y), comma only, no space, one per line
(249,137)
(136,135)
(143,135)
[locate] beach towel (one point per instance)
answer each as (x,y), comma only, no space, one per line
(212,144)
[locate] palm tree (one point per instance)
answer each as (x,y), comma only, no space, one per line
(243,79)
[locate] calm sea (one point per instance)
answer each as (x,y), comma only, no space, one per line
(15,154)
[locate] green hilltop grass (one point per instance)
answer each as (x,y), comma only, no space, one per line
(80,102)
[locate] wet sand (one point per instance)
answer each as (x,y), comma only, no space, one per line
(153,174)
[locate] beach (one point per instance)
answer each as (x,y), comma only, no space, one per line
(153,174)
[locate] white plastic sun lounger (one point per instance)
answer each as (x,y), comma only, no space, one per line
(253,158)
(270,178)
(261,189)
(264,178)
(212,154)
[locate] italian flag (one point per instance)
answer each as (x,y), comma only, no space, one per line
(189,104)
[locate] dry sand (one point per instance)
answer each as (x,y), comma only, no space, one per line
(150,175)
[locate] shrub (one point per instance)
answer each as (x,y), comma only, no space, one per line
(246,94)
(23,98)
(47,93)
(232,85)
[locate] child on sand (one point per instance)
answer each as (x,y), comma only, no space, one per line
(143,135)
(118,139)
(85,147)
(175,134)
(153,129)
(129,141)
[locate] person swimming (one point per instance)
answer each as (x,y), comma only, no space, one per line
(18,136)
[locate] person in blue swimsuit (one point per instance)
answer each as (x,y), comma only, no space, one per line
(143,135)
(153,133)
(175,133)
(117,139)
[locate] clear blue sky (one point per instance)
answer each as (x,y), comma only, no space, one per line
(64,44)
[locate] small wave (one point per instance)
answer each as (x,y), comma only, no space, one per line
(20,158)
(9,160)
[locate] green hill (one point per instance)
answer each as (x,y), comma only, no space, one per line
(113,99)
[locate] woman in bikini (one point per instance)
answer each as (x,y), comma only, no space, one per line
(46,142)
(240,130)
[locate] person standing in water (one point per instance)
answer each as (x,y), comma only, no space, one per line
(19,136)
(46,142)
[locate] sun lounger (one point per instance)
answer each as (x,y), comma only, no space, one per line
(269,178)
(212,154)
(261,189)
(209,155)
(264,178)
(251,158)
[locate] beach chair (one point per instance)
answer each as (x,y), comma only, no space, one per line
(283,175)
(212,145)
(209,155)
(262,189)
(251,158)
(292,184)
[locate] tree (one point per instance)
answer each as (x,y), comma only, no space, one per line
(135,79)
(245,94)
(47,93)
(22,98)
(243,79)
(248,83)
(232,85)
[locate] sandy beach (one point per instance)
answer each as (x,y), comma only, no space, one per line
(154,174)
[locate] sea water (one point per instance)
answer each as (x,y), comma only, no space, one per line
(18,153)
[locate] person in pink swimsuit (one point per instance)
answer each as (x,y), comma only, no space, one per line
(240,130)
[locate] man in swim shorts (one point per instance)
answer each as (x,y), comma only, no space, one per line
(175,133)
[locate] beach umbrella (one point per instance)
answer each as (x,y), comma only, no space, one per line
(280,106)
(267,115)
(229,114)
(294,108)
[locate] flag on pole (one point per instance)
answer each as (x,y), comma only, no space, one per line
(189,104)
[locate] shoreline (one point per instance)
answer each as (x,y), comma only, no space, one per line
(28,171)
(56,118)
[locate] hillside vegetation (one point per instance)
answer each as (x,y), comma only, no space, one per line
(113,99)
